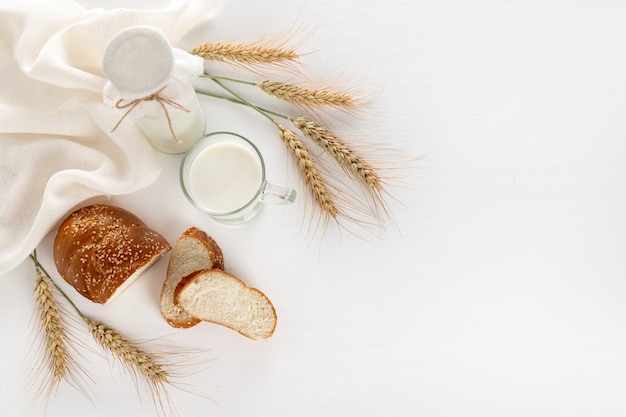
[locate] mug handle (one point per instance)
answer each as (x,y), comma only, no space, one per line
(277,194)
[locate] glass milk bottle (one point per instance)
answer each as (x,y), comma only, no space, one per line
(149,83)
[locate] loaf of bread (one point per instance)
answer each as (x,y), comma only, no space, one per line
(219,297)
(193,251)
(101,249)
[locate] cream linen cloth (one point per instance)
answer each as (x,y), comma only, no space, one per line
(56,149)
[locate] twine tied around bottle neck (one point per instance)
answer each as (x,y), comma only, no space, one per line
(156,96)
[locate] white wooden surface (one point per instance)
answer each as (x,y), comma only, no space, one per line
(504,293)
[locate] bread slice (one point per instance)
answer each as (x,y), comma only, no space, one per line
(193,251)
(219,297)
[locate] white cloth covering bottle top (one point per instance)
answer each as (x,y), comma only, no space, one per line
(150,84)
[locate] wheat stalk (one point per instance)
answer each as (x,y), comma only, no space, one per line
(359,195)
(329,141)
(304,96)
(312,177)
(141,364)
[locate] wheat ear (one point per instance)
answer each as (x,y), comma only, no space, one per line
(54,332)
(57,346)
(342,153)
(309,171)
(141,364)
(279,50)
(305,96)
(250,53)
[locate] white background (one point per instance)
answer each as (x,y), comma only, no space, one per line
(503,291)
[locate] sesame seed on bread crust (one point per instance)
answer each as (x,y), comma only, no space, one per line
(101,249)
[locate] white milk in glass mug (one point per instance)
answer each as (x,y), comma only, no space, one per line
(223,174)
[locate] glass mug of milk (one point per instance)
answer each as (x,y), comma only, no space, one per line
(223,174)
